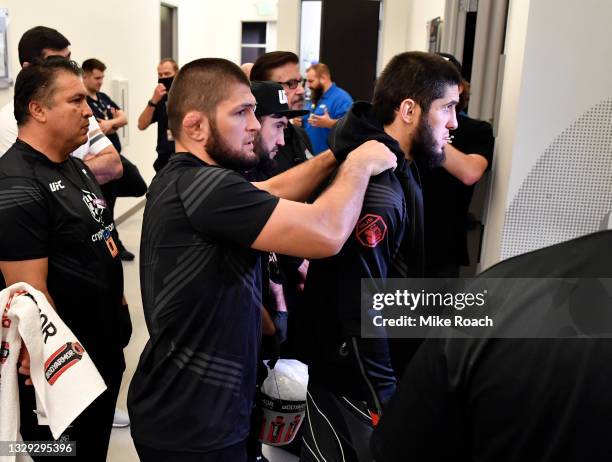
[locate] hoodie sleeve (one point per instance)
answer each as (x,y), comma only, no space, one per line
(367,254)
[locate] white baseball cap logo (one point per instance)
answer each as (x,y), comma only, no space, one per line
(282,97)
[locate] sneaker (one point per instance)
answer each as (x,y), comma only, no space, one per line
(121,419)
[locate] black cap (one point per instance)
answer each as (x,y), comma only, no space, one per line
(272,100)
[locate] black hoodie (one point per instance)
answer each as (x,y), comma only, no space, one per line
(360,125)
(380,247)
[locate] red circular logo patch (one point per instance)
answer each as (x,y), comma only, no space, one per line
(371,230)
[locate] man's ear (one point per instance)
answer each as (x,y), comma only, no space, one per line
(37,111)
(195,126)
(409,111)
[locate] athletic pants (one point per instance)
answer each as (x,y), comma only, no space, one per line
(335,429)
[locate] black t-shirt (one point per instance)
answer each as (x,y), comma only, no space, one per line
(101,109)
(331,322)
(201,288)
(511,399)
(447,199)
(165,145)
(56,211)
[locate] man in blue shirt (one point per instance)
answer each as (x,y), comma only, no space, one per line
(328,103)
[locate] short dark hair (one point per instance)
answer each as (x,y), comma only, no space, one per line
(420,76)
(35,40)
(37,83)
(171,61)
(200,86)
(89,65)
(266,63)
(320,69)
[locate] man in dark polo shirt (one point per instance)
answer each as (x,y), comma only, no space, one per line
(204,227)
(156,111)
(352,378)
(57,235)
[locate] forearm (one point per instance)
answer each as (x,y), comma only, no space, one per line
(301,181)
(267,324)
(339,206)
(146,117)
(467,168)
(119,121)
(33,272)
(105,166)
(320,229)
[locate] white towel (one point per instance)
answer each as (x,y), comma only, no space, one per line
(65,379)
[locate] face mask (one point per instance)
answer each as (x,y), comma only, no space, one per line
(166,81)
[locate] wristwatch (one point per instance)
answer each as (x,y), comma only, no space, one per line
(151,103)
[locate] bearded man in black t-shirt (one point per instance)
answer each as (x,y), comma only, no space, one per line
(203,229)
(58,236)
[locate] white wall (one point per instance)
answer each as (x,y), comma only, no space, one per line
(289,25)
(404,26)
(557,69)
(421,12)
(394,33)
(212,28)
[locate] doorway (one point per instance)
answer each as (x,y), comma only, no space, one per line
(168,32)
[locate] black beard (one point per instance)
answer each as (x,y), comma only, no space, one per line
(316,94)
(267,164)
(424,144)
(224,155)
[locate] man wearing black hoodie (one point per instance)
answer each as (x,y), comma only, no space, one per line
(351,378)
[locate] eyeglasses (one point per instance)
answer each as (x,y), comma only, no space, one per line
(293,83)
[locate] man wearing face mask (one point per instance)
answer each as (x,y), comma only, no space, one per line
(156,112)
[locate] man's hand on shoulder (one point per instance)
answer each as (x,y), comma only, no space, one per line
(374,156)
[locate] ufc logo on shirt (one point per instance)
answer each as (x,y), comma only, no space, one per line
(282,97)
(56,186)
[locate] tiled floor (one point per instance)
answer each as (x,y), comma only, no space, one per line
(121,445)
